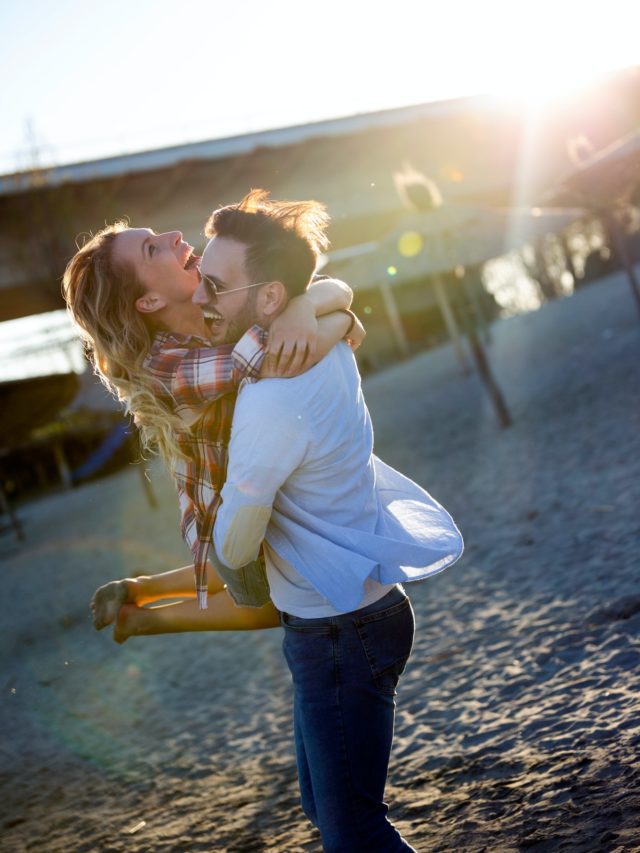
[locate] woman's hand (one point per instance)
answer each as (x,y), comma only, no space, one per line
(293,339)
(357,334)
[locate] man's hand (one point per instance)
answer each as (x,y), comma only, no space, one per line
(293,339)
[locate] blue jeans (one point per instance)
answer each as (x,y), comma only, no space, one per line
(345,670)
(248,586)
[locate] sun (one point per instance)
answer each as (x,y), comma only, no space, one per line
(537,53)
(537,90)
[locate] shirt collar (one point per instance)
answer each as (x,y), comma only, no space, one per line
(163,338)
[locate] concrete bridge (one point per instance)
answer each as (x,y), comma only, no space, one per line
(479,151)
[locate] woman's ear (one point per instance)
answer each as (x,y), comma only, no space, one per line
(273,297)
(149,303)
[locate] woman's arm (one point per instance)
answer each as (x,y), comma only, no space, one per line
(197,375)
(332,328)
(338,326)
(293,336)
(328,295)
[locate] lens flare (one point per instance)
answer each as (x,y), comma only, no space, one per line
(410,244)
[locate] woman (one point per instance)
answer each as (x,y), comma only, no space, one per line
(130,292)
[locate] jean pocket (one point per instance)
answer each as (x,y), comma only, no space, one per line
(387,638)
(310,653)
(320,625)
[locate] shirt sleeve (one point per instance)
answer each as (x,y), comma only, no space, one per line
(206,373)
(268,443)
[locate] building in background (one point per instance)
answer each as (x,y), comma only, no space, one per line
(480,151)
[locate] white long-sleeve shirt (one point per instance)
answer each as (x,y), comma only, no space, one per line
(302,476)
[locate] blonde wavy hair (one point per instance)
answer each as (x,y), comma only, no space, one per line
(101,297)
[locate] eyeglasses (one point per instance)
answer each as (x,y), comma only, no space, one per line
(214,292)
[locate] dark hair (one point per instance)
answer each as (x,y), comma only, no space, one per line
(283,238)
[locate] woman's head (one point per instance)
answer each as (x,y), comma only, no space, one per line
(166,268)
(120,286)
(127,278)
(101,294)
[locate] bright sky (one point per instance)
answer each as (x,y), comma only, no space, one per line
(91,80)
(84,81)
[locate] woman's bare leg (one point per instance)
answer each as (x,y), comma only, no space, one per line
(221,615)
(178,583)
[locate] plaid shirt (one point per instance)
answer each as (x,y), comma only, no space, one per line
(199,383)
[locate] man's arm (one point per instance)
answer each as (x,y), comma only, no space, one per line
(268,442)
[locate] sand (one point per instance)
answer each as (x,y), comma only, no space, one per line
(518,721)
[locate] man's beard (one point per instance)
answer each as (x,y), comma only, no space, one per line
(246,317)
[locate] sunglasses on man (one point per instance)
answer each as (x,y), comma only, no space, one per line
(213,290)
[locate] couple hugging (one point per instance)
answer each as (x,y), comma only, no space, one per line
(238,368)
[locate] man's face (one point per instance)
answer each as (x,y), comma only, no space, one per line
(233,313)
(164,264)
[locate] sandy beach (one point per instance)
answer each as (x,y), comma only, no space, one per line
(518,724)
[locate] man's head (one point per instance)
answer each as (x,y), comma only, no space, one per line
(260,254)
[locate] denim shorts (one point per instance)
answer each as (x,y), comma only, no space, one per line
(247,586)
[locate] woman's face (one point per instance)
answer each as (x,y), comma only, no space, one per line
(165,265)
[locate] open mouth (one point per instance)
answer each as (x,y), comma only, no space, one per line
(213,316)
(192,261)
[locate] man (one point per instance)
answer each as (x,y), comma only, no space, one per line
(340,528)
(130,293)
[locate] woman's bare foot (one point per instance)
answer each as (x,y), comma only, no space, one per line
(124,626)
(107,601)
